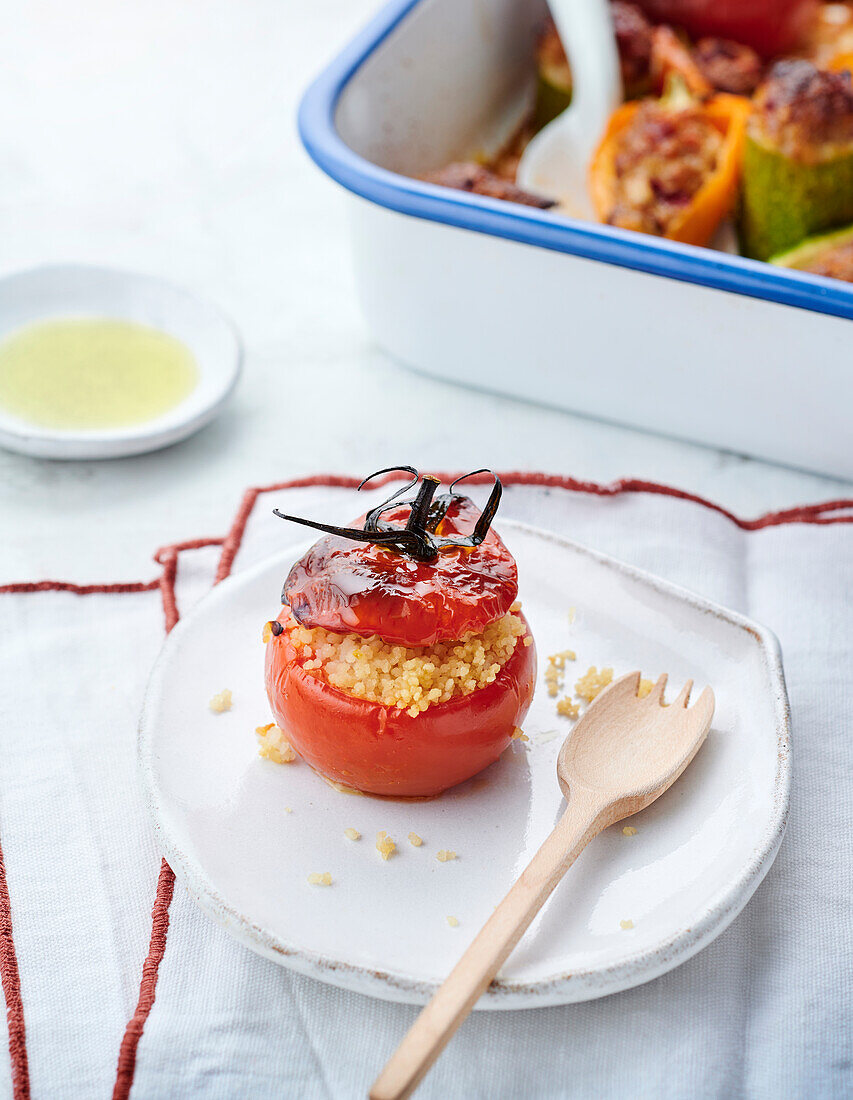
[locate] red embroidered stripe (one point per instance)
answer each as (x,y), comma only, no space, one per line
(148,985)
(9,973)
(11,981)
(79,589)
(167,556)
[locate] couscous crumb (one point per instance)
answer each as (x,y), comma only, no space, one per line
(318,879)
(445,855)
(221,701)
(644,688)
(593,683)
(341,788)
(555,670)
(273,745)
(518,734)
(415,840)
(385,846)
(453,922)
(567,708)
(629,830)
(626,925)
(352,834)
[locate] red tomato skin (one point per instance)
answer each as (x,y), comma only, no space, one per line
(384,750)
(359,588)
(769,26)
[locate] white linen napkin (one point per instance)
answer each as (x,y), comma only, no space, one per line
(765,1011)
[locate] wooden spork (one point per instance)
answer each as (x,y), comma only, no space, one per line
(622,754)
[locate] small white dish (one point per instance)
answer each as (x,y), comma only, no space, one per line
(381,928)
(77,290)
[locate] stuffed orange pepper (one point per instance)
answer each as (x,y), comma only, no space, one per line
(670,166)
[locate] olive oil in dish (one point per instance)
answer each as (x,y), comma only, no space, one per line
(93,373)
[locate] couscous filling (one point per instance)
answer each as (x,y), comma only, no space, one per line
(410,678)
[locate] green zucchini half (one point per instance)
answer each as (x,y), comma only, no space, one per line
(810,252)
(784,201)
(553,93)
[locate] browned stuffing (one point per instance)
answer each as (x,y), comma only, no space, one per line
(805,113)
(634,41)
(663,157)
(836,263)
(505,165)
(470,176)
(728,66)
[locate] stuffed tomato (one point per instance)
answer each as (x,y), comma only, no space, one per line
(401,663)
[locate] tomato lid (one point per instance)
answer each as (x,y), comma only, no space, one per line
(420,572)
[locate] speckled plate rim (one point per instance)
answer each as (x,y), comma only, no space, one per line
(562,988)
(216,383)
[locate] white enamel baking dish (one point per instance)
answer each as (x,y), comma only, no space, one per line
(682,340)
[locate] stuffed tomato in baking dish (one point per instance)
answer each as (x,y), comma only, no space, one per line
(401,663)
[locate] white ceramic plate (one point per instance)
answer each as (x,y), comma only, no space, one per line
(381,928)
(78,290)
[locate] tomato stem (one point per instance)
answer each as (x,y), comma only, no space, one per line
(418,538)
(419,515)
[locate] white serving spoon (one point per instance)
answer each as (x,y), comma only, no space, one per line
(556,162)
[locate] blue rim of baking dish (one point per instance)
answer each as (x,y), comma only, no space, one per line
(527,225)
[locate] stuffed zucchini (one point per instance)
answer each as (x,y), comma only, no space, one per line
(798,158)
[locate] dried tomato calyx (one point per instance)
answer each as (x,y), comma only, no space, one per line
(419,538)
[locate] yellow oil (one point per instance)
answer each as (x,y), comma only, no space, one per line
(89,373)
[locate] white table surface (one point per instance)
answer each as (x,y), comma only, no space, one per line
(161,136)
